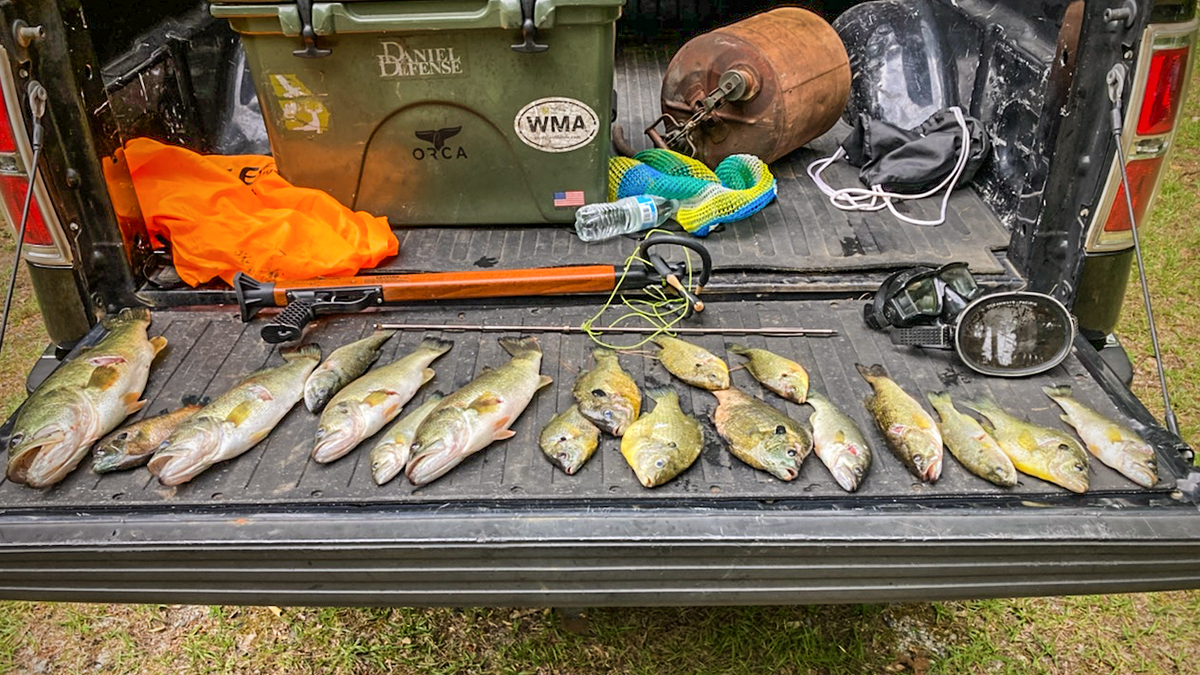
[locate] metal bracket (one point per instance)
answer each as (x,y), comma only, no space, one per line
(308,33)
(528,31)
(733,85)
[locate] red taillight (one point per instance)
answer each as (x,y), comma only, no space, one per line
(1164,83)
(7,142)
(12,189)
(1143,179)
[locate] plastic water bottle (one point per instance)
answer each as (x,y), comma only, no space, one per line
(597,222)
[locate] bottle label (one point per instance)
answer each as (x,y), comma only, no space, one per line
(648,211)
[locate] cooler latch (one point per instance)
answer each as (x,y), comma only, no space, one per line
(308,33)
(528,31)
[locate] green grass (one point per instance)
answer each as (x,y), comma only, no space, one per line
(1134,633)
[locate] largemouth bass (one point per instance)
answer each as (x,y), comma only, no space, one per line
(130,447)
(344,365)
(236,420)
(910,432)
(760,435)
(782,376)
(391,453)
(84,399)
(1045,453)
(692,363)
(971,445)
(471,418)
(365,405)
(838,442)
(662,443)
(569,439)
(607,395)
(1111,442)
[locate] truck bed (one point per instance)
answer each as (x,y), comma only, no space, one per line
(506,528)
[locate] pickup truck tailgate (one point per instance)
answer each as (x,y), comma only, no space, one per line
(291,530)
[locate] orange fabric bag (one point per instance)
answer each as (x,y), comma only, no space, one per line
(225,214)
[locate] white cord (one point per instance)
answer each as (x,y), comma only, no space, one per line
(876,198)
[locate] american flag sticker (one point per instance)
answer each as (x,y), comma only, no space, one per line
(568,199)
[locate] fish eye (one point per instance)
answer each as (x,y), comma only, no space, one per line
(562,439)
(791,452)
(563,456)
(858,471)
(123,435)
(670,444)
(608,414)
(1079,467)
(660,463)
(780,430)
(918,460)
(16,440)
(599,393)
(320,432)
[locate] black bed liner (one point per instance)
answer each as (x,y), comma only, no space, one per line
(210,351)
(801,232)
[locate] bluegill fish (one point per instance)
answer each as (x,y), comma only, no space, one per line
(236,420)
(84,399)
(1111,442)
(838,442)
(391,453)
(971,445)
(480,413)
(344,365)
(365,405)
(760,435)
(131,446)
(910,432)
(569,439)
(662,443)
(1045,453)
(782,376)
(692,363)
(607,396)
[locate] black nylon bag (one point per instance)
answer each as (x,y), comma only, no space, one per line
(917,160)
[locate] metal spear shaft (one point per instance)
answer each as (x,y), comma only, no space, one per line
(782,331)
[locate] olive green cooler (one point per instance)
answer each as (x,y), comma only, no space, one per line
(438,112)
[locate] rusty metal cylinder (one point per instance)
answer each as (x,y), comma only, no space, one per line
(797,79)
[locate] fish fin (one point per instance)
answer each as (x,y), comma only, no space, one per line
(378,397)
(660,394)
(159,343)
(923,422)
(103,378)
(1057,391)
(983,405)
(738,348)
(240,413)
(485,403)
(260,392)
(871,372)
(133,402)
(544,380)
(258,436)
(126,315)
(427,375)
(1111,433)
(502,434)
(520,346)
(1026,440)
(110,360)
(309,351)
(839,436)
(435,344)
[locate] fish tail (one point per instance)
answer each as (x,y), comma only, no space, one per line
(871,372)
(603,354)
(737,348)
(983,405)
(309,351)
(1059,391)
(525,346)
(436,344)
(816,396)
(937,398)
(383,333)
(126,315)
(195,399)
(661,394)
